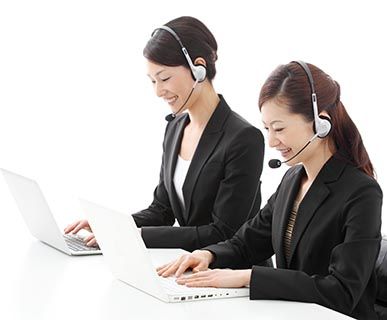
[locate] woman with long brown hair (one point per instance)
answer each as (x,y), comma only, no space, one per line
(323,222)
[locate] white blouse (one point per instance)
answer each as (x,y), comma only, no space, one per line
(181,170)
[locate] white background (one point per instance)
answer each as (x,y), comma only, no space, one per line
(79,115)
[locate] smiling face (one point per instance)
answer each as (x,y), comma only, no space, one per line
(288,132)
(173,84)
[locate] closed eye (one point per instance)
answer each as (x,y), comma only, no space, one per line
(165,79)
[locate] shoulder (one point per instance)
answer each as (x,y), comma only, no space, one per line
(357,181)
(238,123)
(239,129)
(350,186)
(361,200)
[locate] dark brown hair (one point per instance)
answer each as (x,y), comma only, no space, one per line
(289,84)
(163,48)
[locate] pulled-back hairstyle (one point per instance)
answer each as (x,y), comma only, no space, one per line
(289,84)
(162,47)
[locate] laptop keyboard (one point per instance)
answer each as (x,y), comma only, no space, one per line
(170,285)
(76,243)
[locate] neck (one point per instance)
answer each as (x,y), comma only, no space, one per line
(201,111)
(314,164)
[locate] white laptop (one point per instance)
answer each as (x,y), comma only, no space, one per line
(131,262)
(39,219)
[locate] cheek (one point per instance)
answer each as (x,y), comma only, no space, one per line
(184,83)
(178,87)
(296,139)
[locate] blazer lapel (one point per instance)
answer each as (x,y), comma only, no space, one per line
(313,199)
(285,198)
(172,149)
(207,143)
(316,195)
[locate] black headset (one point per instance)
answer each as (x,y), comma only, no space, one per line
(199,71)
(322,125)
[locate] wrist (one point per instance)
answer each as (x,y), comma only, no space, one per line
(204,255)
(208,255)
(247,277)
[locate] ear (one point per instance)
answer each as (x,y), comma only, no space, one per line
(200,61)
(324,115)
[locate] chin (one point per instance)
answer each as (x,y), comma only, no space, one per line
(293,162)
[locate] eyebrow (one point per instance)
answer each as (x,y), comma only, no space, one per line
(273,122)
(157,73)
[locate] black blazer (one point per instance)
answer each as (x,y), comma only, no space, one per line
(221,190)
(335,243)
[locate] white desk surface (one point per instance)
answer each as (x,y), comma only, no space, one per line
(39,282)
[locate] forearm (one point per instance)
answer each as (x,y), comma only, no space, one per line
(188,238)
(171,237)
(154,216)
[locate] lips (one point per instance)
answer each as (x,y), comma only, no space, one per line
(170,100)
(284,152)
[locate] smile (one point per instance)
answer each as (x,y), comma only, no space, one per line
(284,152)
(170,100)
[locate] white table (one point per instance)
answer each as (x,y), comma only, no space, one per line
(39,282)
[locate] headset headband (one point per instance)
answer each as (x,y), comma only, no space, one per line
(321,126)
(199,71)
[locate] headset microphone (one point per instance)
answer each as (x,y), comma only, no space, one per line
(276,163)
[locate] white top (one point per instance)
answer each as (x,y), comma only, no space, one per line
(181,170)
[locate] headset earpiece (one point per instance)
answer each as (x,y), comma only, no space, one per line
(323,126)
(199,72)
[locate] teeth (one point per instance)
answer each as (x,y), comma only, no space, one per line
(170,100)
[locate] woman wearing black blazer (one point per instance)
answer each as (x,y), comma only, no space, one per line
(323,222)
(212,158)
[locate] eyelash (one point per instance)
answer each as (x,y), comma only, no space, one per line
(276,130)
(163,80)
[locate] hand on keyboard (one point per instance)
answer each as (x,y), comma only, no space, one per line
(76,243)
(73,228)
(197,261)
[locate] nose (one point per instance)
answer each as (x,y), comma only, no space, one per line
(159,89)
(273,141)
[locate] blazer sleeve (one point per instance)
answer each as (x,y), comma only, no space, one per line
(250,245)
(351,263)
(159,213)
(237,198)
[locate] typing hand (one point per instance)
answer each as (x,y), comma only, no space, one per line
(218,278)
(197,261)
(75,227)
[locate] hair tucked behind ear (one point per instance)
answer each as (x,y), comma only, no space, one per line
(289,84)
